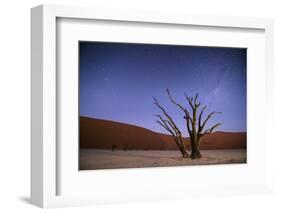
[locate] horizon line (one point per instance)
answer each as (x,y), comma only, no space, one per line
(150,129)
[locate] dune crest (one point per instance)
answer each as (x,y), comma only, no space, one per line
(104,134)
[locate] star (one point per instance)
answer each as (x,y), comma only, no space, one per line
(216,90)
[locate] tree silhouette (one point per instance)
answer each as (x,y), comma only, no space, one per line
(168,123)
(195,124)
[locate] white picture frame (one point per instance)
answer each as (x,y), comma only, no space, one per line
(45,154)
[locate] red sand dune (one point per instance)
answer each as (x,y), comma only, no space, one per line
(103,134)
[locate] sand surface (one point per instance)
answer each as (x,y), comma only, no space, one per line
(104,134)
(106,159)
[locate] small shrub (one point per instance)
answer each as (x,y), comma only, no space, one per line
(113,147)
(126,147)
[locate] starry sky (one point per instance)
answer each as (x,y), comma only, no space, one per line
(118,80)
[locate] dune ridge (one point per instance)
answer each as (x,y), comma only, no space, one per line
(104,134)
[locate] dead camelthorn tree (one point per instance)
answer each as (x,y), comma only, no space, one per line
(195,125)
(168,123)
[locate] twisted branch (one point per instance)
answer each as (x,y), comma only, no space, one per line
(208,117)
(210,130)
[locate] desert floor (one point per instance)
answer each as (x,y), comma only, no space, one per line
(106,159)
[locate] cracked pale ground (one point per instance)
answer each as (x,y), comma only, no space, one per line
(106,159)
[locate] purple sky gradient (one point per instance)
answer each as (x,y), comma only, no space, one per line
(117,82)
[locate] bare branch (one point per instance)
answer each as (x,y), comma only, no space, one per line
(187,116)
(173,130)
(210,130)
(189,99)
(188,127)
(196,96)
(208,117)
(174,102)
(164,126)
(195,101)
(200,118)
(164,121)
(169,127)
(167,116)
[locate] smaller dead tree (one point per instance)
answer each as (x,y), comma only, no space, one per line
(113,147)
(168,124)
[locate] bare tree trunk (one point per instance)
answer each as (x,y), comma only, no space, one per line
(184,153)
(195,149)
(181,147)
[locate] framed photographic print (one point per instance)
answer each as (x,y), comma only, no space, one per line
(148,105)
(117,124)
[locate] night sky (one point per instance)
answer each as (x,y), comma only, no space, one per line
(117,82)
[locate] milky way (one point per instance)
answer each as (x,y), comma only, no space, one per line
(117,82)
